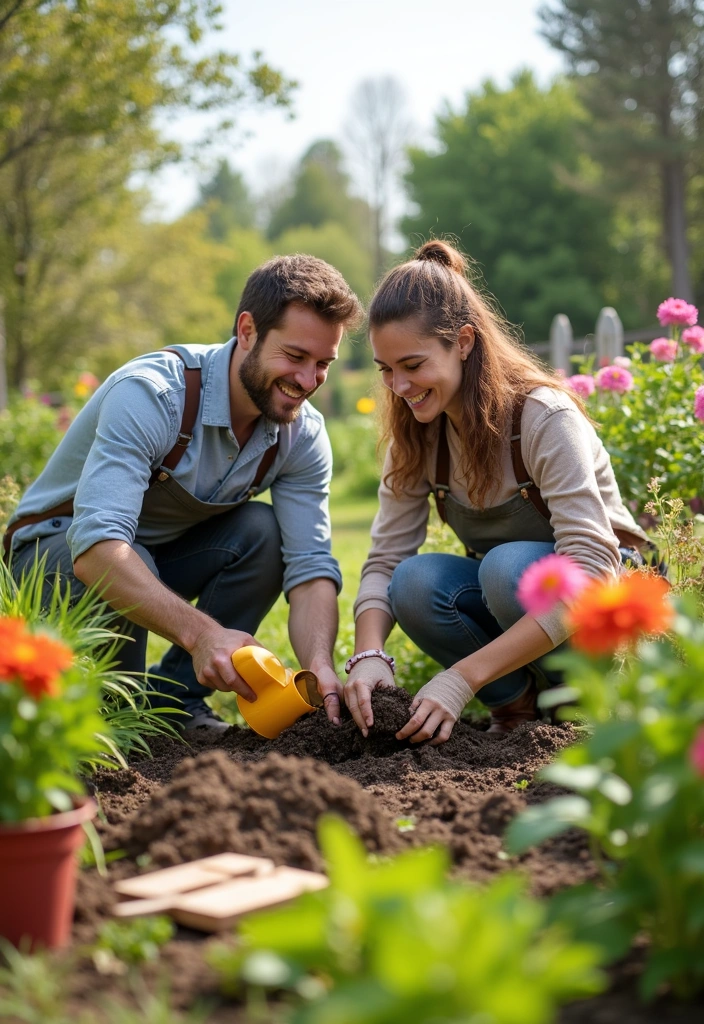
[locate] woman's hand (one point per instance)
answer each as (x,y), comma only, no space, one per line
(367,675)
(436,707)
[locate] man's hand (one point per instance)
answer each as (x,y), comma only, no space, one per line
(212,660)
(436,707)
(330,689)
(367,675)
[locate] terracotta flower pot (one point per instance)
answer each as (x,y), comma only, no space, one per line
(38,876)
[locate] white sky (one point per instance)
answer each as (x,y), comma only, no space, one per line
(437,49)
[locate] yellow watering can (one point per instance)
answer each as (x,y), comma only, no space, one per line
(282,695)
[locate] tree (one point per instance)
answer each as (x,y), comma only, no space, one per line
(81,83)
(320,193)
(379,131)
(510,181)
(91,68)
(640,65)
(227,201)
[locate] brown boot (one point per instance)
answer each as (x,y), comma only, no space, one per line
(522,709)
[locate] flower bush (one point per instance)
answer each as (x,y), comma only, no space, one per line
(50,722)
(83,626)
(637,778)
(649,413)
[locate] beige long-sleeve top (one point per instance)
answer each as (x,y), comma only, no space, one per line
(566,460)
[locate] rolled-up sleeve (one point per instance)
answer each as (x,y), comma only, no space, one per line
(559,452)
(300,499)
(135,426)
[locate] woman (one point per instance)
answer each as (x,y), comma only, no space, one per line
(518,472)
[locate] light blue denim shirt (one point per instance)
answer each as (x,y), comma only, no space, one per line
(124,431)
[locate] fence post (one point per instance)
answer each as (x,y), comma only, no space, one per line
(561,343)
(609,336)
(3,371)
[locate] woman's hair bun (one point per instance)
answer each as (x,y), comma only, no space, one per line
(436,251)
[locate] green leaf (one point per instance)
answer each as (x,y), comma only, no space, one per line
(537,824)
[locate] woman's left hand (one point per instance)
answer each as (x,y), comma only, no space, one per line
(436,708)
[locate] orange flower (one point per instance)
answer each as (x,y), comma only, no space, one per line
(607,614)
(36,660)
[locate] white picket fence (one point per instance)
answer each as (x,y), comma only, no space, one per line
(607,341)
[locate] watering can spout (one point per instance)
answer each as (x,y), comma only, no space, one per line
(282,695)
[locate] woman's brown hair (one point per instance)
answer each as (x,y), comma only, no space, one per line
(433,290)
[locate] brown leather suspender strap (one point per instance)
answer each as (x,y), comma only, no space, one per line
(442,470)
(525,485)
(192,379)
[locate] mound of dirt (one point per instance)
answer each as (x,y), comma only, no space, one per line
(268,808)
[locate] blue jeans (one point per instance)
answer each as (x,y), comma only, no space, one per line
(451,607)
(231,563)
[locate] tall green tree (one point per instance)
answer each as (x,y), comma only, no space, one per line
(510,181)
(320,193)
(91,68)
(640,65)
(81,85)
(227,201)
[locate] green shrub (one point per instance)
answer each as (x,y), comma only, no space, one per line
(28,436)
(639,792)
(354,454)
(395,941)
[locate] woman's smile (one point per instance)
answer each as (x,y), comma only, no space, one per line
(418,399)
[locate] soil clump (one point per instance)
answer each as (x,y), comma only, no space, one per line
(269,808)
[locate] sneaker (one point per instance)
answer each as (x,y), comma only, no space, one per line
(203,717)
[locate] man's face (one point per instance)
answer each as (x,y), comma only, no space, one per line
(289,365)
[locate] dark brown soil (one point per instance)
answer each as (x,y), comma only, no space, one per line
(239,792)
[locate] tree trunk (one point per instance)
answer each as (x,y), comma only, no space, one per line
(675,225)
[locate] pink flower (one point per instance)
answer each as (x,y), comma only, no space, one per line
(622,361)
(89,380)
(699,403)
(582,384)
(677,311)
(696,752)
(694,337)
(549,580)
(664,350)
(614,378)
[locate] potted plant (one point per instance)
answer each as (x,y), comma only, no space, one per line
(50,724)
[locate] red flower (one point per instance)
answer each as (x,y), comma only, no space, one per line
(34,659)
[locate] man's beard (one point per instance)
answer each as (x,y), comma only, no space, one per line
(260,390)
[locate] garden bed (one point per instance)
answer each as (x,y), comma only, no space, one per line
(237,792)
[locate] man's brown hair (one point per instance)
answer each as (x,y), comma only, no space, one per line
(301,279)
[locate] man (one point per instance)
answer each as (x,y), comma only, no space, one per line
(147,493)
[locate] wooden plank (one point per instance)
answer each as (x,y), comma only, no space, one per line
(198,873)
(219,907)
(145,908)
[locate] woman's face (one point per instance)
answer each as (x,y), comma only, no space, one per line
(420,369)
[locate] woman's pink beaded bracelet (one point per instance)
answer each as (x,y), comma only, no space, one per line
(351,662)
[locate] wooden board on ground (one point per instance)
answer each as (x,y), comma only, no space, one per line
(211,894)
(199,873)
